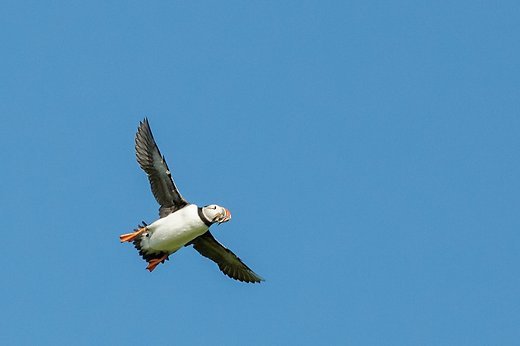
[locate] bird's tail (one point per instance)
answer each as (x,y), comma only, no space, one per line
(140,241)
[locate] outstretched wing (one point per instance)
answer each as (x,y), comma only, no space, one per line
(227,261)
(153,163)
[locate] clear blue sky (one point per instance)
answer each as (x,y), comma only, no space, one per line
(369,153)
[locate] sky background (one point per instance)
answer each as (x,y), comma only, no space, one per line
(368,151)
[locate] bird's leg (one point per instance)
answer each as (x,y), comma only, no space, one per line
(131,236)
(155,262)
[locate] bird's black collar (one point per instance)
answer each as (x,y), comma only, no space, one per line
(203,217)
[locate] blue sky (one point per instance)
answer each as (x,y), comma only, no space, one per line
(367,150)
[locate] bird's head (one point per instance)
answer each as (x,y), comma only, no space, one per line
(216,213)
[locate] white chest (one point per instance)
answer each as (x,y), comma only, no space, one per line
(175,230)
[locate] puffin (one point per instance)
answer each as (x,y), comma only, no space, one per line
(181,223)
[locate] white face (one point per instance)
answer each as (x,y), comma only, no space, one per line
(216,213)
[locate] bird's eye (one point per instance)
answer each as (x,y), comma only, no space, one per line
(214,207)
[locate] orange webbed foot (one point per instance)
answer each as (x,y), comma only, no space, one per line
(131,236)
(155,262)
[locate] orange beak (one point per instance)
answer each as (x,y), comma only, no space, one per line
(227,216)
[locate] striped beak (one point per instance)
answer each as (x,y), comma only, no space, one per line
(225,217)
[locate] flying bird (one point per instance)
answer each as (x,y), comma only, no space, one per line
(181,223)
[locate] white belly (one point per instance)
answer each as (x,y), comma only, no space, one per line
(175,230)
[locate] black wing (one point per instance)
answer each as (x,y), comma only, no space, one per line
(227,261)
(153,163)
